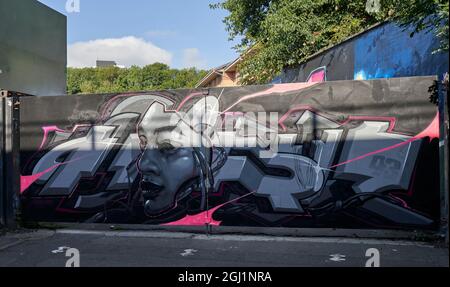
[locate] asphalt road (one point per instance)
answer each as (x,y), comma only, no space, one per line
(171,249)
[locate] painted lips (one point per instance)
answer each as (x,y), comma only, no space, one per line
(150,190)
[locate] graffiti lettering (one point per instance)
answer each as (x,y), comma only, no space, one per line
(151,158)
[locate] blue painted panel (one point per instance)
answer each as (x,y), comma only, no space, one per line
(389,51)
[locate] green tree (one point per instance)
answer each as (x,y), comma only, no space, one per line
(423,15)
(130,80)
(156,76)
(277,33)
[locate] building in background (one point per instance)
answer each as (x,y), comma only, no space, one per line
(105,64)
(384,50)
(33,48)
(224,76)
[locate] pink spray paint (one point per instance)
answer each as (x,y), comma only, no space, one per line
(432,132)
(317,77)
(203,218)
(276,89)
(28,180)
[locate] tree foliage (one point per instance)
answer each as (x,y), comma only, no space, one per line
(423,15)
(113,79)
(280,33)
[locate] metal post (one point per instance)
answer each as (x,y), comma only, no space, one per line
(11,157)
(444,156)
(2,161)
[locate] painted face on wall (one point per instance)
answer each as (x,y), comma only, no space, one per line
(166,162)
(165,167)
(171,145)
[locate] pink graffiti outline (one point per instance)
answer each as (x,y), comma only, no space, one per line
(432,131)
(276,89)
(27,180)
(185,100)
(203,217)
(319,75)
(104,109)
(48,129)
(391,120)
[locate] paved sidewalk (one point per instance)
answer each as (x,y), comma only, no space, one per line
(180,249)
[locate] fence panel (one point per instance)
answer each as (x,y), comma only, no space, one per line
(353,154)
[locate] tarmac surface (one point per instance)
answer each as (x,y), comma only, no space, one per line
(147,248)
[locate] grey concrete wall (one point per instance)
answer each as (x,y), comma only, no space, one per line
(33,48)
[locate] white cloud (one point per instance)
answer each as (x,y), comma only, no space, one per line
(192,58)
(126,51)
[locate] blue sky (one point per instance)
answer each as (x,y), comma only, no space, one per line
(181,33)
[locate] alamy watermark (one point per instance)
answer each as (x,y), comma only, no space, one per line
(74,258)
(73,6)
(373,6)
(374,257)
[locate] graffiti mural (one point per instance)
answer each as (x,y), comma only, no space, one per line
(374,54)
(291,155)
(318,75)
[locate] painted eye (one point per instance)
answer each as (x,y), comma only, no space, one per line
(143,142)
(166,147)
